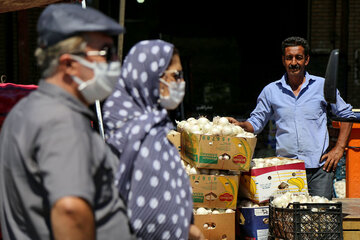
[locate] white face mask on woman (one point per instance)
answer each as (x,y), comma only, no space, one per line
(176,95)
(102,84)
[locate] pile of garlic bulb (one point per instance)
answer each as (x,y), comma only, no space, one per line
(340,188)
(192,170)
(269,162)
(205,211)
(220,126)
(285,199)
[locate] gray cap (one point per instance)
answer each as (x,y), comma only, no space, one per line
(60,21)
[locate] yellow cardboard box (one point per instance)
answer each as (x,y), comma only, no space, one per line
(261,183)
(175,138)
(216,226)
(217,152)
(212,191)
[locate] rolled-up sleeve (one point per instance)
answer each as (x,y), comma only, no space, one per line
(341,108)
(262,112)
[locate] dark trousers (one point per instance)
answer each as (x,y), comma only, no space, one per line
(320,182)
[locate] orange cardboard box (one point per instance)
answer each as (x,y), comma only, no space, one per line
(217,152)
(216,226)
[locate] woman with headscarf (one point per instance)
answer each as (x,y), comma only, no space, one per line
(151,179)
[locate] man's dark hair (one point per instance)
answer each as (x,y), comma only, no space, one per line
(295,41)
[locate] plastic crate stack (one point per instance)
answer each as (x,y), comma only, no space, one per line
(306,221)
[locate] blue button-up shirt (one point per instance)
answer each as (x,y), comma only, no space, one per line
(301,121)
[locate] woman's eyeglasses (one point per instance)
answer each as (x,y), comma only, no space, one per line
(178,75)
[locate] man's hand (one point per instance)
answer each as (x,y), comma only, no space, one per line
(245,125)
(195,233)
(332,158)
(233,120)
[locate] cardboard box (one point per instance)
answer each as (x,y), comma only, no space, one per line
(217,152)
(212,191)
(261,183)
(216,226)
(252,223)
(175,138)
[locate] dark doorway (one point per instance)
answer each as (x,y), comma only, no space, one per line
(230,49)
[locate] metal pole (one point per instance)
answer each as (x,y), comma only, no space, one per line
(122,23)
(99,116)
(97,102)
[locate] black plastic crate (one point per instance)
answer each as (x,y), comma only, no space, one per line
(306,221)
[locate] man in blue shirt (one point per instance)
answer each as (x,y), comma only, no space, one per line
(297,104)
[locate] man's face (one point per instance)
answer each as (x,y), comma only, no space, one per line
(96,42)
(295,61)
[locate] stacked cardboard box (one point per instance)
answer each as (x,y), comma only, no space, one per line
(258,185)
(215,189)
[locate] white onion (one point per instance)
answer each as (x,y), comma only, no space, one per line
(214,172)
(201,211)
(191,119)
(187,126)
(192,171)
(268,162)
(206,128)
(194,128)
(216,130)
(216,120)
(226,130)
(205,171)
(219,126)
(223,121)
(285,199)
(203,120)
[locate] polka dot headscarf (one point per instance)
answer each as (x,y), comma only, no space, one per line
(151,179)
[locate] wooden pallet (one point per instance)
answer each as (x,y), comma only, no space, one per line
(351,220)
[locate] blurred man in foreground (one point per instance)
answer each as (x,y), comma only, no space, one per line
(56,173)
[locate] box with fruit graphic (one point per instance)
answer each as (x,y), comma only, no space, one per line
(212,191)
(217,152)
(261,183)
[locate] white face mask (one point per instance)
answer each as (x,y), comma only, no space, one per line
(102,84)
(176,95)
